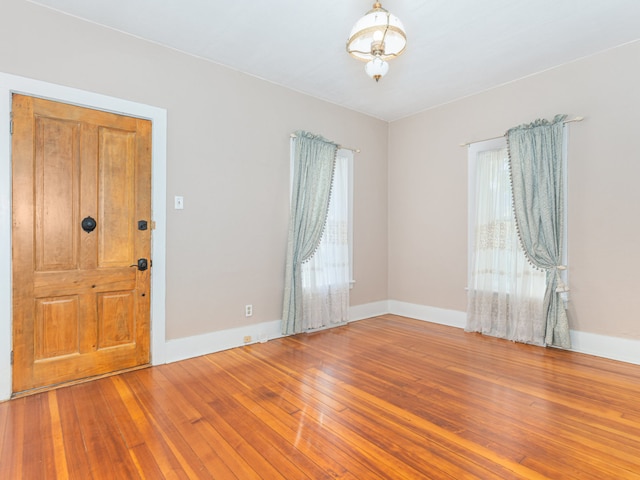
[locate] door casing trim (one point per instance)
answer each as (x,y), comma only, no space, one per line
(10,84)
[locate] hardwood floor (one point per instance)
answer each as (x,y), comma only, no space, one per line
(386,397)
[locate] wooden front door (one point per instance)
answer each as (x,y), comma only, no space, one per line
(80,302)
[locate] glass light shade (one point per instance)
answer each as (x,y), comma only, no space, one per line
(376,68)
(379,33)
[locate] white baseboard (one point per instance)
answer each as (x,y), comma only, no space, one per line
(613,348)
(197,345)
(189,347)
(368,310)
(452,318)
(625,350)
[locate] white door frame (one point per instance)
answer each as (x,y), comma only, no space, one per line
(10,84)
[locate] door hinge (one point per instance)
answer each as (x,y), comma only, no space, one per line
(11,123)
(11,357)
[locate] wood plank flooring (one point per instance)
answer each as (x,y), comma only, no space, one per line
(383,398)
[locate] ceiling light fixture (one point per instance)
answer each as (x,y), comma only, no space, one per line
(375,38)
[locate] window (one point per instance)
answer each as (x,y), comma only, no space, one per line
(497,262)
(508,297)
(327,275)
(505,291)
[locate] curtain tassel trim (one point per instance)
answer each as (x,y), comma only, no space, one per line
(562,287)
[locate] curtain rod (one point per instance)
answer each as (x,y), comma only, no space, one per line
(576,119)
(354,150)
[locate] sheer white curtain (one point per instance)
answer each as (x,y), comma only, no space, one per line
(505,292)
(326,275)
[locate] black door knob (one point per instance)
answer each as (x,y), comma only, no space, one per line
(88,224)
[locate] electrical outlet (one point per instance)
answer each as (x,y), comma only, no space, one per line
(247,339)
(248,310)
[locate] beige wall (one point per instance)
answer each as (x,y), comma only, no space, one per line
(428,188)
(227,154)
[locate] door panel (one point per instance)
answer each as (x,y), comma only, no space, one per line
(81,307)
(56,332)
(57,169)
(116,197)
(115,315)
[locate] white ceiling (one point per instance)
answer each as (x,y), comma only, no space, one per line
(455,48)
